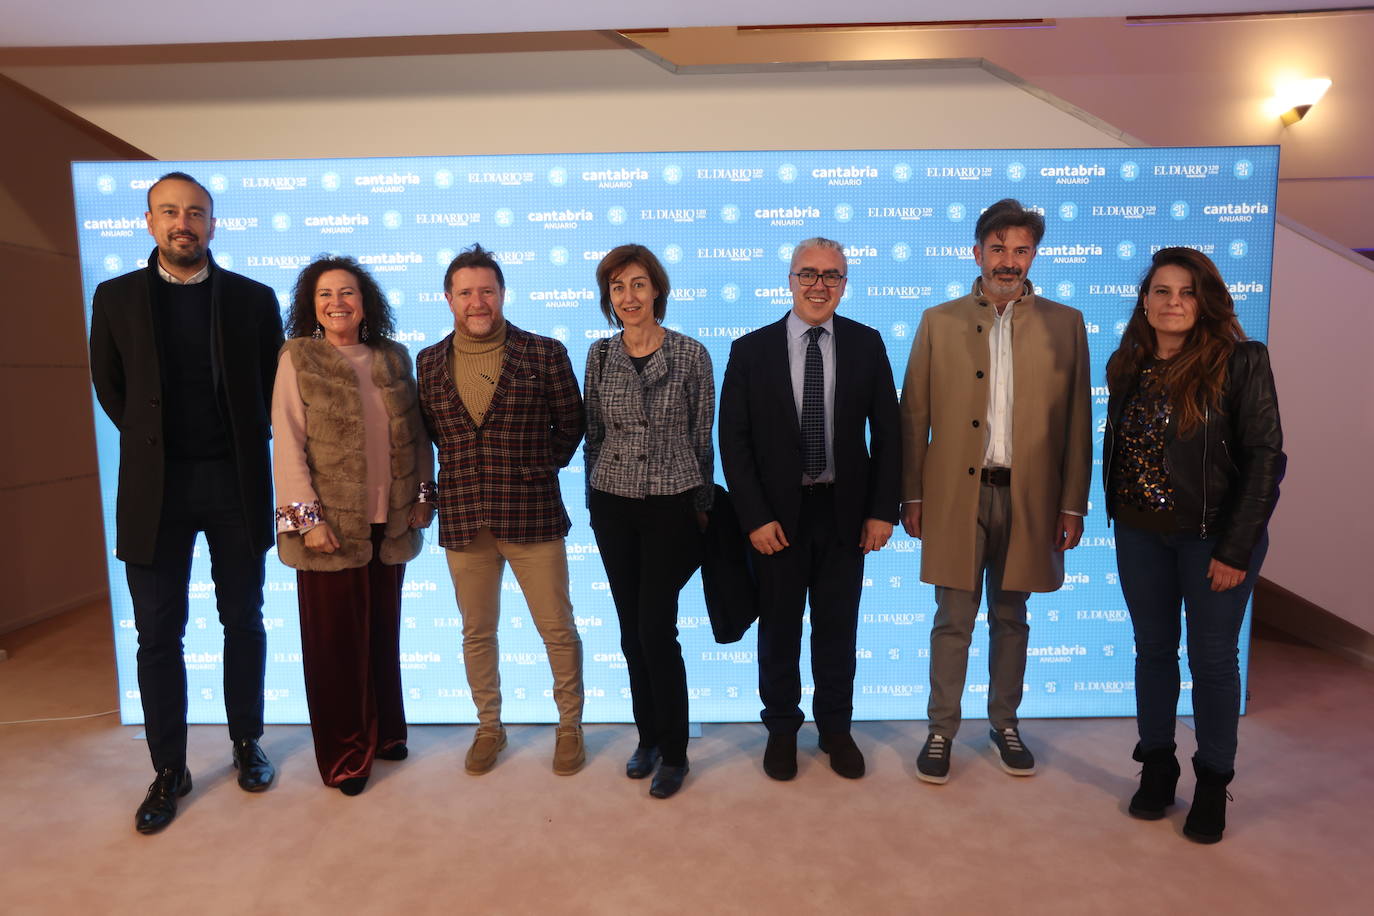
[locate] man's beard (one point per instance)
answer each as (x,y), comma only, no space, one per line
(182,257)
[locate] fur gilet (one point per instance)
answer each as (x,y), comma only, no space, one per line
(335,451)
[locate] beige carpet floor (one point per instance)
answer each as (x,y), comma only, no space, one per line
(427,838)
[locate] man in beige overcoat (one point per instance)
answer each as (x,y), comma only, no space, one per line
(997,455)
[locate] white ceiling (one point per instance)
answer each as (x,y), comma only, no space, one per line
(25,23)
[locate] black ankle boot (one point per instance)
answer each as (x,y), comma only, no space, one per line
(1207,818)
(1158,780)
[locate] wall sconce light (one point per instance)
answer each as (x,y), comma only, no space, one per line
(1293,99)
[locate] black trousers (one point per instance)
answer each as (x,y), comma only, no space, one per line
(198,496)
(650,548)
(830,569)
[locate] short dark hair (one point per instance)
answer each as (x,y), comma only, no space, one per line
(301,322)
(615,261)
(179,176)
(476,256)
(1006,214)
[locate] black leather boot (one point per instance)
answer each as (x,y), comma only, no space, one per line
(1158,780)
(1207,817)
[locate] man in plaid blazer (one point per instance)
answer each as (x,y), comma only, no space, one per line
(504,409)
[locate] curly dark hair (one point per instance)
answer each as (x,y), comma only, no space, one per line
(1194,378)
(301,322)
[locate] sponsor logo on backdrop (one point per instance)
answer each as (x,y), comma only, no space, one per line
(1076,253)
(1243,169)
(560,219)
(898,292)
(105,184)
(1243,290)
(731,174)
(959,172)
(855,254)
(567,297)
(672,174)
(142,184)
(785,252)
(273,182)
(390,261)
(1187,170)
(900,213)
(745,254)
(396,297)
(729,293)
(509,179)
(729,333)
(1016,171)
(1243,212)
(615,178)
(892,690)
(787,173)
(560,333)
(902,171)
(1206,248)
(419,661)
(514,257)
(960,252)
(845,175)
(901,251)
(730,213)
(1068,211)
(333,223)
(687,294)
(844,213)
(386,183)
(1073,579)
(674,214)
(1081,173)
(443,178)
(1125,211)
(1120,290)
(1129,171)
(1098,615)
(1105,686)
(1125,250)
(410,337)
(616,216)
(956,212)
(672,253)
(331,181)
(776,295)
(115,226)
(557,176)
(1179,209)
(787,216)
(593,255)
(448,220)
(281,221)
(235,224)
(1063,290)
(954,289)
(217,183)
(1237,248)
(558,256)
(1056,654)
(735,656)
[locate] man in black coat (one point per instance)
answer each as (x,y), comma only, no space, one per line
(183,355)
(810,444)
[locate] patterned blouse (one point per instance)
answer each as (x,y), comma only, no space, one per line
(649,431)
(1140,479)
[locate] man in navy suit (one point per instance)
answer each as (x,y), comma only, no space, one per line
(810,444)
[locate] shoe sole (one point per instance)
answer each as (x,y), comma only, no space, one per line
(933,780)
(182,792)
(1013,771)
(1206,839)
(1148,814)
(570,770)
(471,771)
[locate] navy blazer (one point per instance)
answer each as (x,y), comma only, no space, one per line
(246,333)
(760,435)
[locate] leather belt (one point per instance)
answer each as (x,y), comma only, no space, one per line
(996,477)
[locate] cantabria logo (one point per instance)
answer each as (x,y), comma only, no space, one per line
(390,182)
(959,172)
(729,174)
(390,261)
(845,175)
(856,253)
(787,216)
(567,297)
(674,215)
(910,214)
(273,182)
(1077,253)
(560,219)
(333,223)
(505,179)
(1082,173)
(1244,212)
(776,295)
(1243,290)
(1187,170)
(117,226)
(615,178)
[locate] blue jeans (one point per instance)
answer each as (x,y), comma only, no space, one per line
(1158,572)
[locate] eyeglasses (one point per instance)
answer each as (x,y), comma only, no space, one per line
(808,277)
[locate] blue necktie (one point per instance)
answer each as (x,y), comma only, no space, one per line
(813,407)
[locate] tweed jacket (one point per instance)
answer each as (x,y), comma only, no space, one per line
(760,433)
(333,451)
(944,407)
(649,433)
(504,473)
(126,369)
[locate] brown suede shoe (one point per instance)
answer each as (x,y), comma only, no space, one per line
(486,744)
(569,752)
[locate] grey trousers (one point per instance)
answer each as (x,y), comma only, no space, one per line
(957,612)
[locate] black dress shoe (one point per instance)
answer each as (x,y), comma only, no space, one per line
(395,752)
(667,781)
(353,785)
(845,756)
(255,770)
(642,762)
(780,757)
(160,804)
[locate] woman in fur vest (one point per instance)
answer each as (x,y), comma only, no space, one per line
(354,474)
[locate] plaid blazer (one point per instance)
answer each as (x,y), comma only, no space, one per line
(504,473)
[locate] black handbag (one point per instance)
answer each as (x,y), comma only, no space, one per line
(727,572)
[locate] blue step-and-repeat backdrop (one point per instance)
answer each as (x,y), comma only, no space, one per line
(724,225)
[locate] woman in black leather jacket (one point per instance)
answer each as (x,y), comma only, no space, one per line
(1191,462)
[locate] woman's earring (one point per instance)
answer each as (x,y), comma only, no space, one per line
(362,331)
(318,333)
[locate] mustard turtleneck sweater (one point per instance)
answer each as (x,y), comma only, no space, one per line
(475,364)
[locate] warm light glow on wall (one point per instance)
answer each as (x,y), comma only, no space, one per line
(1293,98)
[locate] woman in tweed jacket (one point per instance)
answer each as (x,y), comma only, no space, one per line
(650,401)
